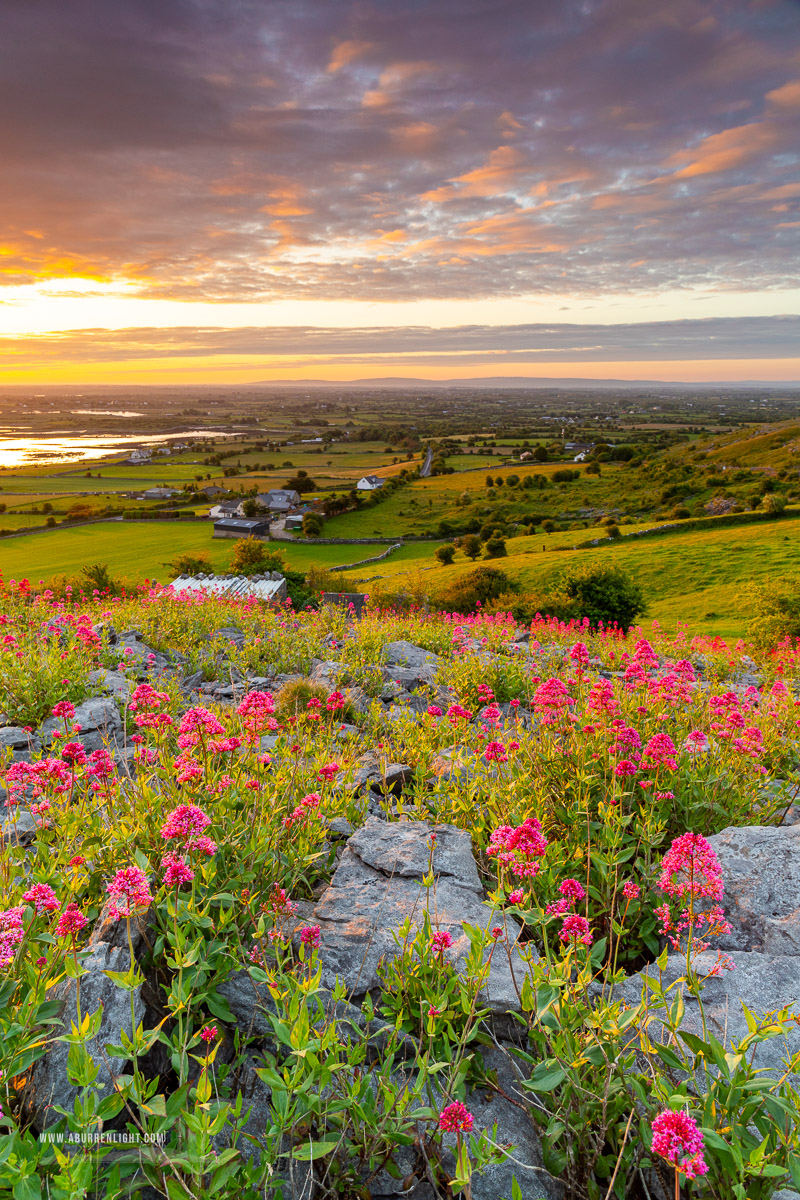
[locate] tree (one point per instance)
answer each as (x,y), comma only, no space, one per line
(471,545)
(249,557)
(250,507)
(496,548)
(312,525)
(301,482)
(489,481)
(540,454)
(445,554)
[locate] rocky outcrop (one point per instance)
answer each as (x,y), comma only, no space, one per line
(378,884)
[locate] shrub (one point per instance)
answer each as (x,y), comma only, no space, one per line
(776,612)
(312,525)
(249,557)
(445,555)
(292,699)
(599,593)
(471,545)
(476,587)
(190,564)
(773,503)
(496,548)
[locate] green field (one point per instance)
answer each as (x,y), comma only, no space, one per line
(139,551)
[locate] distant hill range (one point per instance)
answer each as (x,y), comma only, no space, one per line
(525,381)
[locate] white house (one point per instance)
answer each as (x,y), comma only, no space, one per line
(369,483)
(139,456)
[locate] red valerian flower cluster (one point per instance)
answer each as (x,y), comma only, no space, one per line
(677,1138)
(520,848)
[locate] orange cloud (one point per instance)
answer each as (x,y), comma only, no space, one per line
(500,171)
(347,52)
(787,97)
(724,151)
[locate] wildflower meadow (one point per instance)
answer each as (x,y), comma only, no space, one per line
(184,1011)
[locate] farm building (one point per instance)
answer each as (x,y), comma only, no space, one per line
(160,493)
(240,527)
(271,586)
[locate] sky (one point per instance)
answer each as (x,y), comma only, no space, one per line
(225,191)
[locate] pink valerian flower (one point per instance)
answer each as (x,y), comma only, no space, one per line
(518,848)
(76,861)
(601,697)
(433,711)
(660,752)
(580,654)
(279,903)
(440,942)
(696,742)
(307,805)
(42,897)
(631,891)
(559,907)
(516,897)
(71,921)
(492,714)
(691,868)
(63,709)
(208,1033)
(573,889)
(224,745)
(497,932)
(575,928)
(644,654)
(309,936)
(129,891)
(625,768)
(185,821)
(456,1119)
(456,713)
(74,754)
(11,934)
(205,845)
(495,752)
(176,870)
(329,771)
(677,1138)
(551,700)
(335,702)
(256,711)
(434,1012)
(101,767)
(198,725)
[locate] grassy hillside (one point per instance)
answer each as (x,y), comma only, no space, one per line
(694,577)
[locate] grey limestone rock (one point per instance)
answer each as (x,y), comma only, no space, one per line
(761,869)
(765,983)
(378,884)
(50,1085)
(98,718)
(406,654)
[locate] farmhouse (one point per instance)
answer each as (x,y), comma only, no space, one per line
(140,456)
(229,508)
(579,450)
(239,527)
(212,490)
(279,500)
(369,483)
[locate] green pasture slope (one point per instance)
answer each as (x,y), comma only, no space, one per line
(139,550)
(695,577)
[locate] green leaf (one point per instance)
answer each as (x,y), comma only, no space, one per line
(311,1151)
(545,1078)
(219,1007)
(28,1188)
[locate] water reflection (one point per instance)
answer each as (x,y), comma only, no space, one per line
(47,450)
